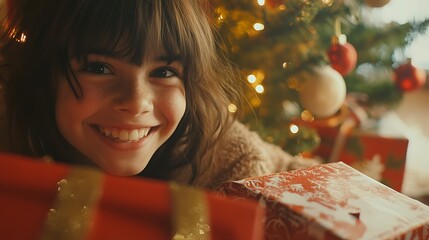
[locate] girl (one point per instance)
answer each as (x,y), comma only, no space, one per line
(134,87)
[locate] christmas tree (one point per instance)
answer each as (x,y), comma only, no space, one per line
(303,58)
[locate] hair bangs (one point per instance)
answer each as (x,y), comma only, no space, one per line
(131,30)
(118,31)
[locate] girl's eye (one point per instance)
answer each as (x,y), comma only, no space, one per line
(163,72)
(97,68)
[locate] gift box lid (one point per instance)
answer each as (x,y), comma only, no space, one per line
(127,208)
(341,203)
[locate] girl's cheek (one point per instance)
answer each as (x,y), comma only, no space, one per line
(176,102)
(100,90)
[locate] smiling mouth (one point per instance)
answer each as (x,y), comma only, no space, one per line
(124,135)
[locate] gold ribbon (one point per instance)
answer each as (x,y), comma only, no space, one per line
(190,213)
(78,194)
(70,218)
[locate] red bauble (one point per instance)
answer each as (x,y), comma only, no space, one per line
(343,55)
(408,78)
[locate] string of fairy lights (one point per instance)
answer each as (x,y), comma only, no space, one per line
(281,44)
(254,26)
(256,77)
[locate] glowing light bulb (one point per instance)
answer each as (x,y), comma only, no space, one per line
(294,128)
(259,89)
(285,65)
(232,108)
(22,38)
(251,78)
(261,2)
(307,116)
(258,26)
(328,2)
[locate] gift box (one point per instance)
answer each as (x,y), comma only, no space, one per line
(381,157)
(332,201)
(40,200)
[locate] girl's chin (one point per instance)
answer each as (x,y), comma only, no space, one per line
(123,170)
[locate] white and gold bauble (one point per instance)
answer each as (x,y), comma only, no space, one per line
(322,91)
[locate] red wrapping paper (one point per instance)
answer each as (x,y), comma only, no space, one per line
(332,201)
(128,208)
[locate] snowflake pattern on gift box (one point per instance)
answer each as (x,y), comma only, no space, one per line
(382,159)
(333,201)
(373,168)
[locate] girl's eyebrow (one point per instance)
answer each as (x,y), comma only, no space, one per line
(98,53)
(106,53)
(168,59)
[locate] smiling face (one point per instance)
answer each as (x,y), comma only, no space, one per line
(125,113)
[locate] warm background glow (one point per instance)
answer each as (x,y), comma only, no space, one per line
(402,11)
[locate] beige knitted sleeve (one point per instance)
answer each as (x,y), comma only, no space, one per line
(241,154)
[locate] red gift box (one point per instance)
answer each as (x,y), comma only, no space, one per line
(380,157)
(127,208)
(332,201)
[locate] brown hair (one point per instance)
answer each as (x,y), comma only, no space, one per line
(57,30)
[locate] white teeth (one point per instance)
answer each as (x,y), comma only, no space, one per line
(107,132)
(134,135)
(115,133)
(125,135)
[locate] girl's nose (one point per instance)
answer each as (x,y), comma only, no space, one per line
(135,98)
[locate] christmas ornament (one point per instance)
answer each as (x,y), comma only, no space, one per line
(342,55)
(322,91)
(408,78)
(376,3)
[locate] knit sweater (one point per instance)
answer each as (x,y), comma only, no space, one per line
(240,153)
